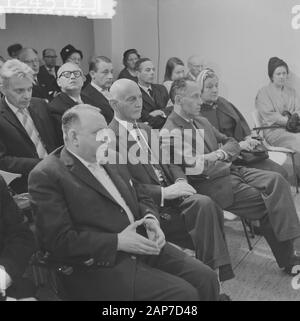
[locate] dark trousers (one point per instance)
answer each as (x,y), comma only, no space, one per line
(266,196)
(200,220)
(170,276)
(269,165)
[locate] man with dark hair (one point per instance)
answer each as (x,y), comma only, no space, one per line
(110,230)
(27,134)
(16,247)
(30,57)
(155,96)
(70,79)
(13,50)
(48,73)
(97,92)
(247,192)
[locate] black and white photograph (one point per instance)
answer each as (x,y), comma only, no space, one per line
(149,153)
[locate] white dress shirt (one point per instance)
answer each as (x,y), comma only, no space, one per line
(5,280)
(104,92)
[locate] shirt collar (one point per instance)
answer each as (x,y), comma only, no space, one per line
(84,162)
(186,119)
(124,123)
(12,107)
(98,87)
(145,88)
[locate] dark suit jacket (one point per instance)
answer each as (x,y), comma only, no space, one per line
(93,97)
(48,81)
(144,173)
(17,152)
(16,240)
(159,101)
(86,226)
(57,107)
(40,91)
(215,181)
(231,122)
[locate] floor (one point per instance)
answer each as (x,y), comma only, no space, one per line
(257,276)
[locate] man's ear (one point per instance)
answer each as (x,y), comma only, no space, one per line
(178,99)
(113,103)
(58,81)
(92,74)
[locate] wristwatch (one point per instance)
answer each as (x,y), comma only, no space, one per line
(220,155)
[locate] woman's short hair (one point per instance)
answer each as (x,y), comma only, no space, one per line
(170,66)
(15,67)
(205,74)
(127,53)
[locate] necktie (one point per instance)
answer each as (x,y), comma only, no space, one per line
(32,132)
(150,92)
(103,178)
(162,178)
(52,72)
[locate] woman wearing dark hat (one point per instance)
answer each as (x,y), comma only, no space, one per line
(275,104)
(130,57)
(71,54)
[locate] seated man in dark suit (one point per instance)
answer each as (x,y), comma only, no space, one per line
(30,57)
(106,225)
(70,79)
(48,73)
(97,92)
(167,185)
(247,192)
(27,134)
(155,96)
(16,247)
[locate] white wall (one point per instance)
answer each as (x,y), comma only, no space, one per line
(236,36)
(42,31)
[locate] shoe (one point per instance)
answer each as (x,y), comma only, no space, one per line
(256,229)
(224,297)
(294,266)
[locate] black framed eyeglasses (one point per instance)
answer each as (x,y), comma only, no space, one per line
(68,74)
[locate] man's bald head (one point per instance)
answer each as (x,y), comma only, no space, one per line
(126,100)
(196,64)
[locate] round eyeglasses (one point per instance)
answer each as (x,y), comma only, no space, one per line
(68,74)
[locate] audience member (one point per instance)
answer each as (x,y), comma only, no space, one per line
(30,57)
(70,79)
(155,96)
(130,57)
(174,70)
(16,247)
(278,106)
(14,50)
(167,185)
(250,193)
(228,120)
(71,54)
(195,65)
(97,92)
(102,225)
(26,131)
(48,73)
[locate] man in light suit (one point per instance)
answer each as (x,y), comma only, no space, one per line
(191,220)
(27,133)
(107,225)
(155,96)
(247,192)
(97,92)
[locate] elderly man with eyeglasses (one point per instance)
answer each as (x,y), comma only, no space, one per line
(70,79)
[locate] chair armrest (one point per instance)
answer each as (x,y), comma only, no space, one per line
(279,149)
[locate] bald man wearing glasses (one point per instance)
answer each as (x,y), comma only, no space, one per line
(70,79)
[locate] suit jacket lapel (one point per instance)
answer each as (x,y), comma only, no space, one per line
(8,114)
(79,170)
(147,98)
(126,190)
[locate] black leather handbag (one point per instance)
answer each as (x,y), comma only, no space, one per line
(256,155)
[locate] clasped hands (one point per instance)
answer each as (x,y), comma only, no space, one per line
(249,144)
(131,242)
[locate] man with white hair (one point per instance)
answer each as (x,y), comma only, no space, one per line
(195,65)
(70,79)
(27,134)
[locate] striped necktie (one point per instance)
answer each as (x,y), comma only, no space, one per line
(32,132)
